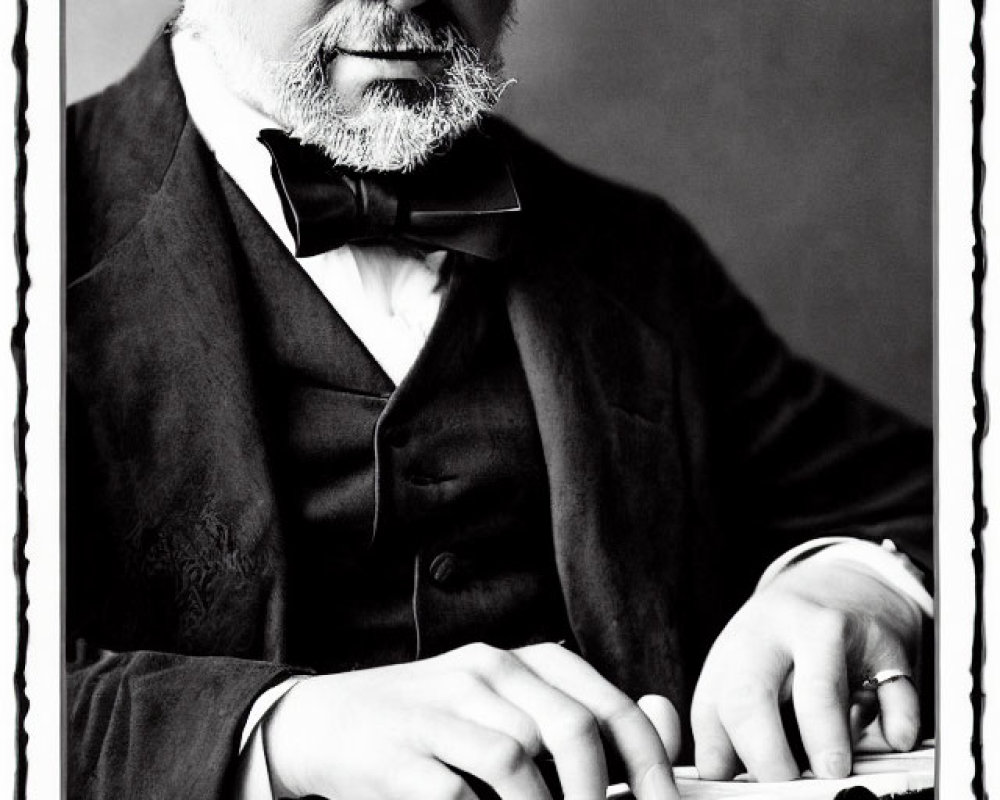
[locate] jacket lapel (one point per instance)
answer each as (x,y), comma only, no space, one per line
(602,383)
(158,322)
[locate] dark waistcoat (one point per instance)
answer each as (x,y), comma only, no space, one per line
(418,516)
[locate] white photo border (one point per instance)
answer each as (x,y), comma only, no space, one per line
(955,344)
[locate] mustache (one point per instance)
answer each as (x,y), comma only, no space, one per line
(364,26)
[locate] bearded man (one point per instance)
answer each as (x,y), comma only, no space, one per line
(404,458)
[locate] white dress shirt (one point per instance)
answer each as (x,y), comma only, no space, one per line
(390,299)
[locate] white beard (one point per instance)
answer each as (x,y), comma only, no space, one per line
(393,126)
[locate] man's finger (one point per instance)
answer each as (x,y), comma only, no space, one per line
(661,712)
(479,703)
(714,755)
(864,711)
(750,715)
(821,700)
(568,729)
(494,757)
(621,720)
(899,714)
(899,703)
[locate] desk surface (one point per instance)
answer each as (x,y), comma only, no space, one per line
(881,773)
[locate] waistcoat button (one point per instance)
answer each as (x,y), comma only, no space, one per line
(444,569)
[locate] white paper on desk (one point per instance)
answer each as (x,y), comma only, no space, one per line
(883,773)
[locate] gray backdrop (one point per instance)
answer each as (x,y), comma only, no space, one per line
(796,134)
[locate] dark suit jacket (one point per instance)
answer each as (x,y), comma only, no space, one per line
(685,447)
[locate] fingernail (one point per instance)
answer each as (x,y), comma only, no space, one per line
(836,765)
(657,785)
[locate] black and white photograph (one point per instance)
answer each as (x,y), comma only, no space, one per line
(507,400)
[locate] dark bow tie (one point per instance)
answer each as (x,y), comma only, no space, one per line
(463,201)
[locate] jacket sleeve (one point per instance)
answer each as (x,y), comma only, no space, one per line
(149,714)
(781,451)
(150,724)
(796,453)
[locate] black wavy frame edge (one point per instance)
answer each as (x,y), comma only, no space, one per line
(976,667)
(19,54)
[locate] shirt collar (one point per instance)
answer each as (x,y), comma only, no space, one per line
(229,126)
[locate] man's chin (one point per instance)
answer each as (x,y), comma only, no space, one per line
(394,132)
(399,94)
(387,124)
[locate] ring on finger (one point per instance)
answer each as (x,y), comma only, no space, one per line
(884,676)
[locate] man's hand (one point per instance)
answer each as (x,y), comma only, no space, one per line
(392,733)
(810,637)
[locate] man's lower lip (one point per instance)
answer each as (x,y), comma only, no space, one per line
(392,55)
